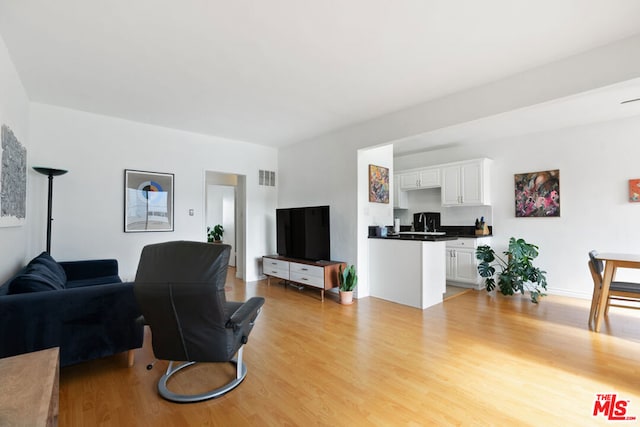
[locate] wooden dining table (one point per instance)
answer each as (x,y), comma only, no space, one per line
(612,261)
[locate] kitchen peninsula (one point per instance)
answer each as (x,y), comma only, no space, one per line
(408,269)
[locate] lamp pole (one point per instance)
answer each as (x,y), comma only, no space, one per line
(50,172)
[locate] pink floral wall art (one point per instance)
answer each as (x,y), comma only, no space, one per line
(538,194)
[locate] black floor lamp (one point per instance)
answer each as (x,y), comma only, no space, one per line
(50,172)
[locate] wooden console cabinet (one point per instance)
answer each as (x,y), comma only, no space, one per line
(321,275)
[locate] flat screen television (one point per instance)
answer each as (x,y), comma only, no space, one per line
(303,233)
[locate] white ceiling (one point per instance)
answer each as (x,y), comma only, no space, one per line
(281,71)
(589,107)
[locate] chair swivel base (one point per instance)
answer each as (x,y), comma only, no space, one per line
(241,373)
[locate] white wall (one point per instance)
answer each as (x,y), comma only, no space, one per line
(88,201)
(322,174)
(323,169)
(595,162)
(369,213)
(14,113)
(336,174)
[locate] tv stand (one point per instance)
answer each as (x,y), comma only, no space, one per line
(321,275)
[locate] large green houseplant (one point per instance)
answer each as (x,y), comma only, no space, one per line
(517,272)
(347,279)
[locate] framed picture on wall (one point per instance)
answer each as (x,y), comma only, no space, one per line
(148,201)
(537,194)
(634,190)
(378,184)
(13,180)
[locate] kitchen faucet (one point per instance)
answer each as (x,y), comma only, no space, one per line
(422,219)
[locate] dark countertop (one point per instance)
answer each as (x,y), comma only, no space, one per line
(463,231)
(453,232)
(416,238)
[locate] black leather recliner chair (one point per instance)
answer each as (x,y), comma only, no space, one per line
(180,290)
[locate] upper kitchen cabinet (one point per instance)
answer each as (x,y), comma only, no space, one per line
(400,197)
(466,183)
(420,178)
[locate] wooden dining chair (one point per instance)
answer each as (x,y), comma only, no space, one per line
(627,292)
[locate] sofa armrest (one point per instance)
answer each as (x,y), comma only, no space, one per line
(86,323)
(89,269)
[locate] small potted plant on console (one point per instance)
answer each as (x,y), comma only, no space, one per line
(348,280)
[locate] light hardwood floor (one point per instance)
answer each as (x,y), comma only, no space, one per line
(477,359)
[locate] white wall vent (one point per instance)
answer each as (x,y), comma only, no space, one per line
(267,178)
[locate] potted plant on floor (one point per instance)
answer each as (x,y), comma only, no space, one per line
(348,280)
(215,234)
(517,273)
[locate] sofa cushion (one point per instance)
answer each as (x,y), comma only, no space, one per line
(43,273)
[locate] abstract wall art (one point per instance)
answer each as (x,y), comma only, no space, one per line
(378,184)
(634,190)
(148,201)
(537,194)
(13,180)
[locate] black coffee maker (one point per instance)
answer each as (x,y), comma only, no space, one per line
(426,221)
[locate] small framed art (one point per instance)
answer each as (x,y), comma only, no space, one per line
(634,190)
(378,184)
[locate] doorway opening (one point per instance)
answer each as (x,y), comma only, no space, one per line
(225,205)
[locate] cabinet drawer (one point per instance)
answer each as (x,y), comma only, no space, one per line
(308,270)
(307,279)
(277,272)
(272,264)
(462,243)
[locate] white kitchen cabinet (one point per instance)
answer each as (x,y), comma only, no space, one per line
(400,197)
(461,263)
(420,178)
(466,183)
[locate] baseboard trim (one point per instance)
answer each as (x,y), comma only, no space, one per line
(568,293)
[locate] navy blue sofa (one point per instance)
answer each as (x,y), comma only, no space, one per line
(83,307)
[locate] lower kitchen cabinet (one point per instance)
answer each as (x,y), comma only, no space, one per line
(462,265)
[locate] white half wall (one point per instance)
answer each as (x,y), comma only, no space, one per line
(14,113)
(88,202)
